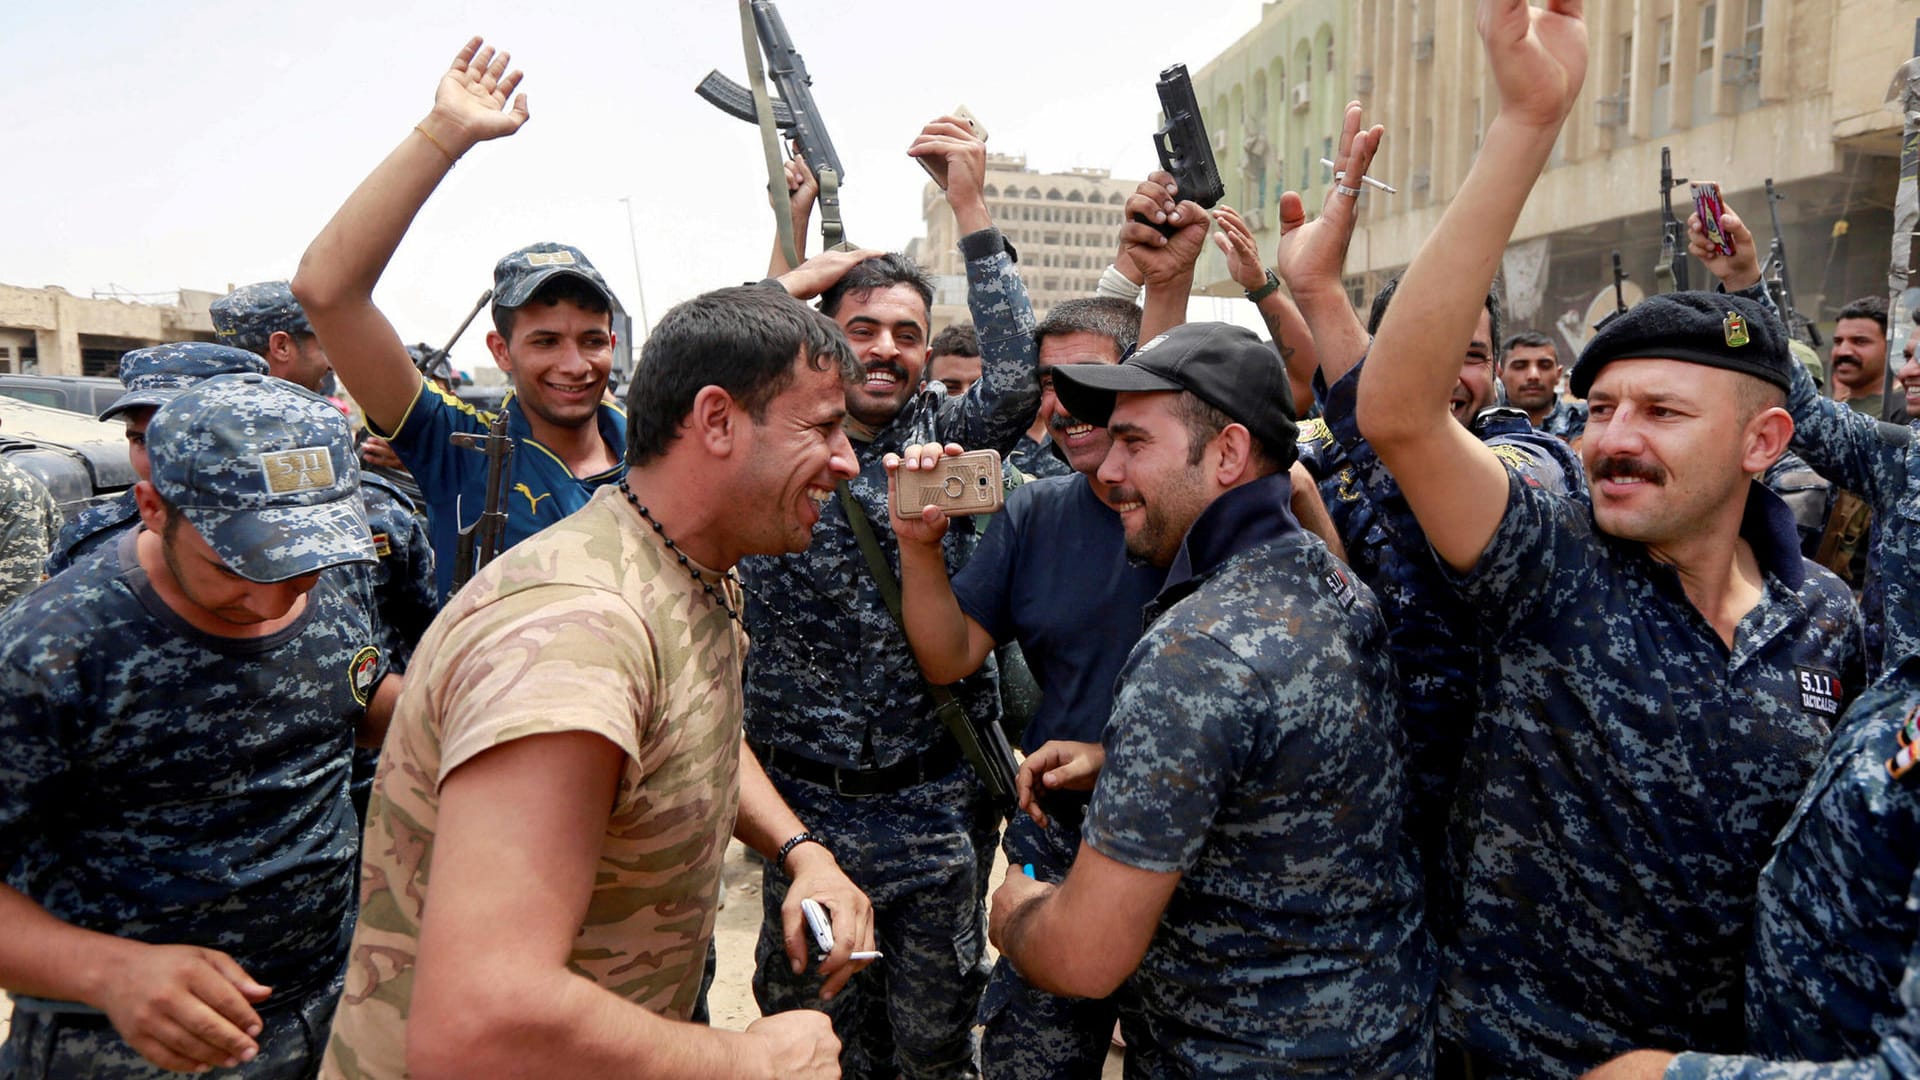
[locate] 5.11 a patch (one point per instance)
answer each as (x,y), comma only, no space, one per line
(361,671)
(1820,691)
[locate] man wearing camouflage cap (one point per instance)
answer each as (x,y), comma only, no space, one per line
(264,318)
(153,376)
(553,334)
(177,710)
(1669,669)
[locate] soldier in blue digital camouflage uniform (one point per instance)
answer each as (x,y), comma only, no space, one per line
(264,318)
(1833,985)
(1439,650)
(1267,897)
(177,709)
(1051,577)
(1670,668)
(1529,364)
(837,709)
(153,376)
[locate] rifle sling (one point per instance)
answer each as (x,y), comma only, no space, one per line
(952,715)
(769,137)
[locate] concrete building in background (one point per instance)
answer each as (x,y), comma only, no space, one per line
(1065,226)
(52,332)
(1740,90)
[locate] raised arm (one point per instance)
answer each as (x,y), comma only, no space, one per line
(343,264)
(1165,262)
(1312,256)
(948,645)
(1454,483)
(1285,325)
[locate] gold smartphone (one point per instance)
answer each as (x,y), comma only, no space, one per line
(938,168)
(966,484)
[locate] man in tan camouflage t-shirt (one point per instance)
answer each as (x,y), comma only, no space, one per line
(544,843)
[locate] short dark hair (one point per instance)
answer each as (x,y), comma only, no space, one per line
(552,291)
(1530,339)
(956,340)
(1107,316)
(1867,307)
(1203,421)
(871,275)
(1496,317)
(744,340)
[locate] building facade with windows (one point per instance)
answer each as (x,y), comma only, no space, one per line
(1064,225)
(1739,91)
(53,332)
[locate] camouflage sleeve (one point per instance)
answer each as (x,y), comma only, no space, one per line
(1851,449)
(29,523)
(406,598)
(1899,1057)
(1542,553)
(998,408)
(1181,731)
(31,720)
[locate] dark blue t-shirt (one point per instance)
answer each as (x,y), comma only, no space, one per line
(174,787)
(1052,573)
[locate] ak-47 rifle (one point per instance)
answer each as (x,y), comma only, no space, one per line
(1619,292)
(433,358)
(482,540)
(1779,281)
(1183,147)
(1670,273)
(793,113)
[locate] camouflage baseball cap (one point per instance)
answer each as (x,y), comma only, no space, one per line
(265,471)
(157,374)
(518,276)
(250,314)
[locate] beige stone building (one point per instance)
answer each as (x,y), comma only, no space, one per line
(1064,225)
(1740,90)
(52,332)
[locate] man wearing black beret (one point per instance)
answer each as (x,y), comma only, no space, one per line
(1669,667)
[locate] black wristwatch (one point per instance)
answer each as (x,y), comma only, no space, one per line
(1272,286)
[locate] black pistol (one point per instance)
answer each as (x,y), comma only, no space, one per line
(1183,147)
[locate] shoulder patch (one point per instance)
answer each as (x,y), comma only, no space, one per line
(360,673)
(1341,586)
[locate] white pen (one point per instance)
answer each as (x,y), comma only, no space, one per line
(1365,179)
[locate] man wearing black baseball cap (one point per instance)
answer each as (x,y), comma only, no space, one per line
(553,333)
(1263,685)
(1669,669)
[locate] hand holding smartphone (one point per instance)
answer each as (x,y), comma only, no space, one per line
(1708,204)
(937,167)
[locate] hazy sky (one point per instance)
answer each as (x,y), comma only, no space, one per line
(202,144)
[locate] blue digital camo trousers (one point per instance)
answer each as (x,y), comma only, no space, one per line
(922,855)
(47,1045)
(1029,1033)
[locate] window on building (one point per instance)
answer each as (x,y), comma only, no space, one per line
(1623,80)
(1663,61)
(1330,64)
(1306,68)
(990,191)
(1326,151)
(1709,16)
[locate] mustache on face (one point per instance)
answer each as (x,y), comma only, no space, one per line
(1117,496)
(898,371)
(1061,421)
(1628,468)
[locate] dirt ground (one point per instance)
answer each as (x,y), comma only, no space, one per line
(731,999)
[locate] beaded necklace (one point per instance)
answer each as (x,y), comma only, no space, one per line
(685,564)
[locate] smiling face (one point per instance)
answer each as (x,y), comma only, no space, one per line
(1473,391)
(558,358)
(1157,485)
(1668,448)
(1084,444)
(792,458)
(888,330)
(1910,377)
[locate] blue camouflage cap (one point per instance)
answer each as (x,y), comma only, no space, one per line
(265,471)
(519,275)
(250,314)
(157,374)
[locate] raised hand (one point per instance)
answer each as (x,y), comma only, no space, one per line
(1538,57)
(1236,242)
(1313,254)
(1736,271)
(922,525)
(1162,259)
(473,95)
(956,152)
